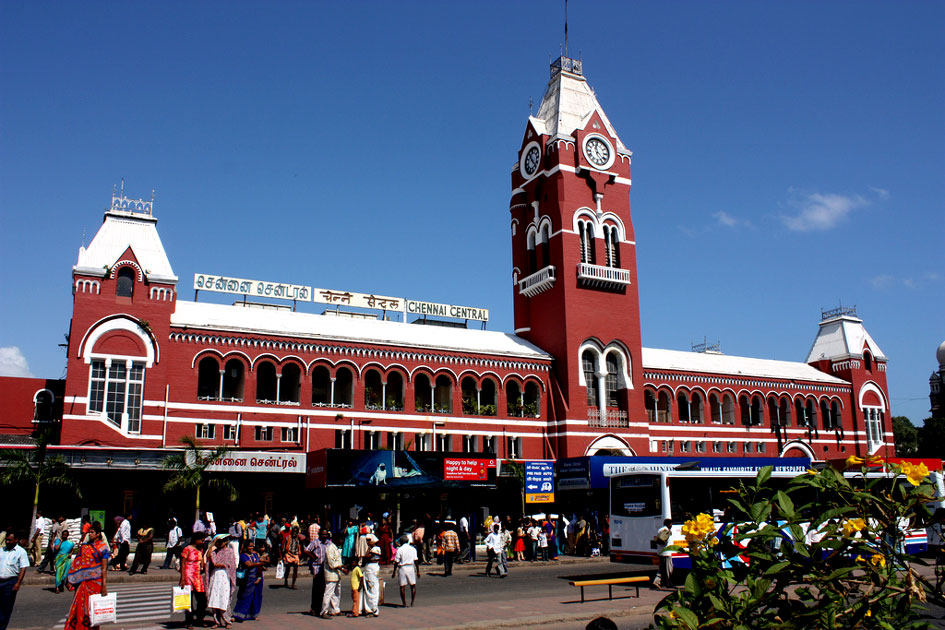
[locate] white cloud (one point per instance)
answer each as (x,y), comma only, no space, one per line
(725,218)
(882,193)
(882,281)
(13,363)
(819,212)
(887,281)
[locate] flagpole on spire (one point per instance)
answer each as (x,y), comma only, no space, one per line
(565,28)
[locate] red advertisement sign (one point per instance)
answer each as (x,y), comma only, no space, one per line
(456,469)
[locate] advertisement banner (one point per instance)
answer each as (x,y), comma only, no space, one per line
(464,469)
(407,469)
(540,482)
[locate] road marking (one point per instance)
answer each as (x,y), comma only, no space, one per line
(140,603)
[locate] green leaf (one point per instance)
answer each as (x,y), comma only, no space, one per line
(692,586)
(777,568)
(688,617)
(763,476)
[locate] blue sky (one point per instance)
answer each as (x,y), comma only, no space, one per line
(787,156)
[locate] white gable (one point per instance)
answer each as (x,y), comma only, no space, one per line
(841,338)
(119,232)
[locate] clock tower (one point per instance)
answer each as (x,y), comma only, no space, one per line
(574,268)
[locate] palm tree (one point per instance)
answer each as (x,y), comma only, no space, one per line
(33,466)
(190,470)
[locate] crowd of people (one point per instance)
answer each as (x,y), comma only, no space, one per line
(225,570)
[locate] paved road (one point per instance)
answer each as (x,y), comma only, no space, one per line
(531,594)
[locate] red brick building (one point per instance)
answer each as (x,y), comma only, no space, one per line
(146,367)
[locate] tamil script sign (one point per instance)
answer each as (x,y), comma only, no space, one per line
(257,461)
(463,469)
(260,288)
(539,482)
(256,288)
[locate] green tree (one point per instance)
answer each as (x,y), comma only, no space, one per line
(932,438)
(34,467)
(824,551)
(906,437)
(190,471)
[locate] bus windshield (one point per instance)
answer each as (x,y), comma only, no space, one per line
(636,495)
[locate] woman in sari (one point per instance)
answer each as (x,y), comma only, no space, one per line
(64,548)
(221,569)
(88,576)
(385,539)
(351,534)
(192,567)
(249,595)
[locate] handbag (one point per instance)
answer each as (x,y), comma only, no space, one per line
(180,598)
(280,570)
(102,608)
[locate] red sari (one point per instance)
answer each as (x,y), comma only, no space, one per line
(85,577)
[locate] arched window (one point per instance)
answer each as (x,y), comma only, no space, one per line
(532,253)
(545,245)
(513,399)
(612,381)
(266,383)
(751,409)
(873,419)
(773,411)
(728,409)
(682,403)
(695,408)
(470,395)
(373,390)
(811,413)
(116,390)
(836,419)
(42,406)
(531,398)
(321,386)
(208,379)
(443,395)
(290,383)
(649,403)
(394,392)
(589,365)
(664,406)
(126,282)
(423,390)
(233,381)
(586,232)
(715,409)
(343,388)
(868,361)
(784,411)
(488,397)
(612,245)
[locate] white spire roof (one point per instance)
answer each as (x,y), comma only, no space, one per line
(119,231)
(568,104)
(842,337)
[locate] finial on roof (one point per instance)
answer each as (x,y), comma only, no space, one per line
(706,348)
(840,311)
(565,28)
(121,203)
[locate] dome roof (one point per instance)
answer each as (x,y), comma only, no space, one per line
(940,353)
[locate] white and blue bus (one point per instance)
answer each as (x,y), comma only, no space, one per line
(641,500)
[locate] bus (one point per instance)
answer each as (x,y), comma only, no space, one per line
(641,501)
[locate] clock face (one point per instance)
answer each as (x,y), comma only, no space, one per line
(597,151)
(531,160)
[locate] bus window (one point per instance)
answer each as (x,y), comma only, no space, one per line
(636,495)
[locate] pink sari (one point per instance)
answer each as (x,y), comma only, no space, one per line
(85,577)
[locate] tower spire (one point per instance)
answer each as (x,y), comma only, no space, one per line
(565,28)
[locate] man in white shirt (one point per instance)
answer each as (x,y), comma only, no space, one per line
(405,565)
(331,600)
(468,545)
(122,540)
(174,545)
(36,536)
(495,547)
(13,563)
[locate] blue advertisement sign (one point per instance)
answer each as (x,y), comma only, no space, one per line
(583,473)
(540,482)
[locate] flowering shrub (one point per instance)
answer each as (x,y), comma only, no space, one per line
(824,551)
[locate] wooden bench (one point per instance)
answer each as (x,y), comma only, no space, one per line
(610,582)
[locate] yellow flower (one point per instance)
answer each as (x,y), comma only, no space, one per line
(695,530)
(869,613)
(810,471)
(878,560)
(853,460)
(672,614)
(853,526)
(915,473)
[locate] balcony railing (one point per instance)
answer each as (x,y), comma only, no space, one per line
(607,418)
(602,277)
(541,280)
